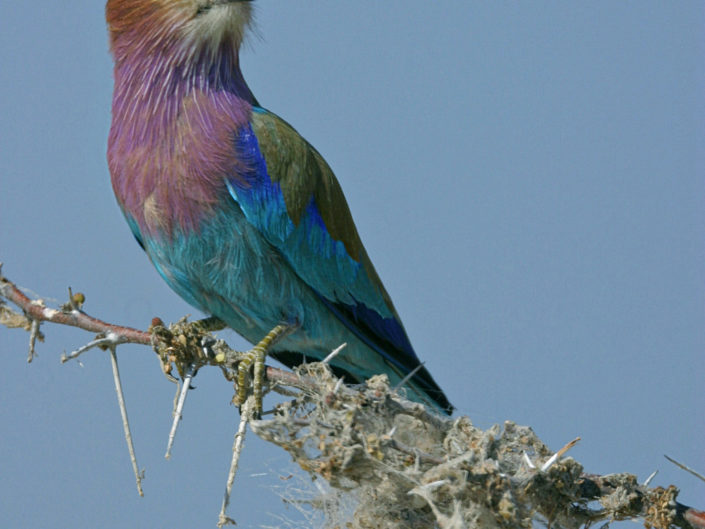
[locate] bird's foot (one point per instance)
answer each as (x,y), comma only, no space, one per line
(183,344)
(255,358)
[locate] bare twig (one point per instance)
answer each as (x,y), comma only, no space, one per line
(695,518)
(35,310)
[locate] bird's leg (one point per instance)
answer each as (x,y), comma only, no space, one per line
(255,357)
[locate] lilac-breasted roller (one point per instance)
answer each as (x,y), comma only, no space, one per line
(239,214)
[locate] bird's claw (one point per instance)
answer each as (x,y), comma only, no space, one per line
(184,343)
(255,358)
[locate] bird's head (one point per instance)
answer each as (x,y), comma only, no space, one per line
(189,29)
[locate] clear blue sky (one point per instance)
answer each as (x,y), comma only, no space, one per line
(528,179)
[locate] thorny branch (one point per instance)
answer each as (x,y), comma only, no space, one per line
(408,467)
(35,312)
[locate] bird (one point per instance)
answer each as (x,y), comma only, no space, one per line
(238,213)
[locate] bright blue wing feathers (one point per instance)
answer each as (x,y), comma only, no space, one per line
(277,191)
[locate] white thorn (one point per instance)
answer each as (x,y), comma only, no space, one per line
(559,454)
(549,462)
(238,444)
(652,476)
(686,468)
(528,461)
(34,333)
(334,353)
(179,409)
(430,486)
(408,377)
(125,421)
(111,340)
